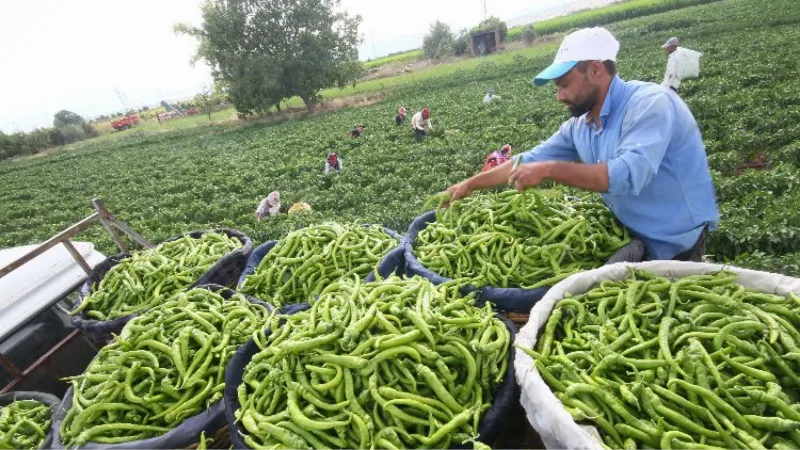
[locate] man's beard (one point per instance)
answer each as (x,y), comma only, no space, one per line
(581,108)
(585,106)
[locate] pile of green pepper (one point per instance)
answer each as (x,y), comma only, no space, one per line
(148,277)
(24,424)
(698,362)
(304,262)
(165,366)
(394,364)
(513,239)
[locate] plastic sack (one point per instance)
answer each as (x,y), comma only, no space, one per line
(185,434)
(505,299)
(545,412)
(47,399)
(504,396)
(391,263)
(224,272)
(492,423)
(689,64)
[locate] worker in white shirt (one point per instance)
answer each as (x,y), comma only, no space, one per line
(269,206)
(421,123)
(490,97)
(683,63)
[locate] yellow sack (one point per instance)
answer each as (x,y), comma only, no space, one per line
(299,207)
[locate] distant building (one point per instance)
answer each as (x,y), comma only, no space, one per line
(484,42)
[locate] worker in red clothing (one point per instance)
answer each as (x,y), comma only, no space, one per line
(421,123)
(333,163)
(496,158)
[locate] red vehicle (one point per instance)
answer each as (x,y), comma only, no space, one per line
(125,122)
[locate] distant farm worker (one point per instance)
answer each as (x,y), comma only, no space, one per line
(333,162)
(490,97)
(634,142)
(496,158)
(421,123)
(269,206)
(682,64)
(356,132)
(401,116)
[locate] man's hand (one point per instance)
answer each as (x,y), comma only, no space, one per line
(528,175)
(457,192)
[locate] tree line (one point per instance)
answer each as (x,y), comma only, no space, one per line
(68,127)
(262,52)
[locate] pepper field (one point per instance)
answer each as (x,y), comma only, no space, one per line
(747,102)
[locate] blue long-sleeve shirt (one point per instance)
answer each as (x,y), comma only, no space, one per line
(659,183)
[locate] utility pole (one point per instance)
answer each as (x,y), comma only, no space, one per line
(485,11)
(122,99)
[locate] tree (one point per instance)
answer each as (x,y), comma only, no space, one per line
(528,35)
(64,118)
(207,100)
(438,43)
(88,130)
(6,149)
(268,50)
(493,23)
(461,43)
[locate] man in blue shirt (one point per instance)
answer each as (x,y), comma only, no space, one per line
(636,143)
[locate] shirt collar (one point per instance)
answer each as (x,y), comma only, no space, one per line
(611,100)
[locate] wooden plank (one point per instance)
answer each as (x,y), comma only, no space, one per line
(104,214)
(20,377)
(50,243)
(110,221)
(78,258)
(9,366)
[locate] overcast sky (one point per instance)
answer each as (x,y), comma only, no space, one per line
(75,54)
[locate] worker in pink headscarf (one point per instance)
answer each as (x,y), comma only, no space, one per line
(401,116)
(269,206)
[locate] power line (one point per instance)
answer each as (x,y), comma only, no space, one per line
(122,99)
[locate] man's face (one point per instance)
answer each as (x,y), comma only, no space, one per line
(671,48)
(578,91)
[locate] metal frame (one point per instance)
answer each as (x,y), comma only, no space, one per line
(113,226)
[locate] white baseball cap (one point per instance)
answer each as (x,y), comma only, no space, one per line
(670,42)
(588,44)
